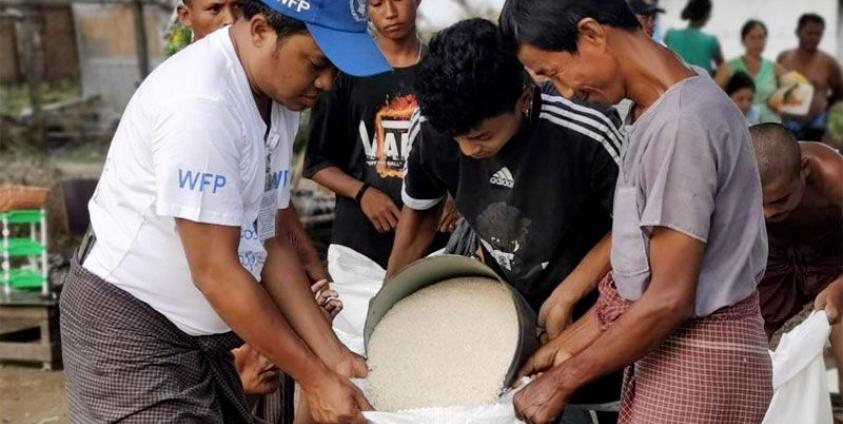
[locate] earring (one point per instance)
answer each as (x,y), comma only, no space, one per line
(529,109)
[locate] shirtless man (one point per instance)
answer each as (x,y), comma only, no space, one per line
(818,67)
(802,186)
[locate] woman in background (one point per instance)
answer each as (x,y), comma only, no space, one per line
(741,89)
(691,44)
(765,73)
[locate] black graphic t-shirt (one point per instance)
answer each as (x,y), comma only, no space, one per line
(361,127)
(537,207)
(540,204)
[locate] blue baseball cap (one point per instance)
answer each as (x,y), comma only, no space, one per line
(339,29)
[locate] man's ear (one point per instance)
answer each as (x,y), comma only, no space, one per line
(806,167)
(261,31)
(183,13)
(590,33)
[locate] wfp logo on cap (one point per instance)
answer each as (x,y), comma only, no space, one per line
(298,5)
(339,29)
(358,10)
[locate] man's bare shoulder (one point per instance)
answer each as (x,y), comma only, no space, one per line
(820,151)
(826,167)
(827,59)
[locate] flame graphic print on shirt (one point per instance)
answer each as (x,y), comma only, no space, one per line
(389,147)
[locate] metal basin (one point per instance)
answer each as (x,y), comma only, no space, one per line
(429,271)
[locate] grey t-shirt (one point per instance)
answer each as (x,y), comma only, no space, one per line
(689,166)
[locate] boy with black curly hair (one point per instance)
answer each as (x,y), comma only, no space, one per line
(533,174)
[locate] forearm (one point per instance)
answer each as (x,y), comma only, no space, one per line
(667,302)
(250,312)
(285,280)
(336,180)
(413,237)
(586,276)
(581,334)
(291,230)
(638,331)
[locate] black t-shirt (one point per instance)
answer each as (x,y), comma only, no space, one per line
(360,126)
(538,206)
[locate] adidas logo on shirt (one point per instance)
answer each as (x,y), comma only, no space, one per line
(503,178)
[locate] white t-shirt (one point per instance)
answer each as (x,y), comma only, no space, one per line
(191,144)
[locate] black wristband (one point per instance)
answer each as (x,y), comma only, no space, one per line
(359,196)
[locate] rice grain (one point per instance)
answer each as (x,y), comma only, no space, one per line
(448,344)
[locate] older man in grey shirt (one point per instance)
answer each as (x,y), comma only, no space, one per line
(689,167)
(680,307)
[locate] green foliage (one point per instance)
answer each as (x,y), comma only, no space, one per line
(14,98)
(176,39)
(835,121)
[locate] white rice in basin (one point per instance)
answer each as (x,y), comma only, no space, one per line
(446,345)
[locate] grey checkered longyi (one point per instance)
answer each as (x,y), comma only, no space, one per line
(126,362)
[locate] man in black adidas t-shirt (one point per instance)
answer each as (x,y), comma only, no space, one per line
(358,136)
(533,174)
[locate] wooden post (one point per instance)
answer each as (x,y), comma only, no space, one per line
(141,46)
(34,68)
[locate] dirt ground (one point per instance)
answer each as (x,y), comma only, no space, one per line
(30,395)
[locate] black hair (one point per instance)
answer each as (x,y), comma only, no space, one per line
(808,18)
(777,151)
(470,73)
(552,24)
(750,25)
(738,81)
(283,25)
(696,10)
